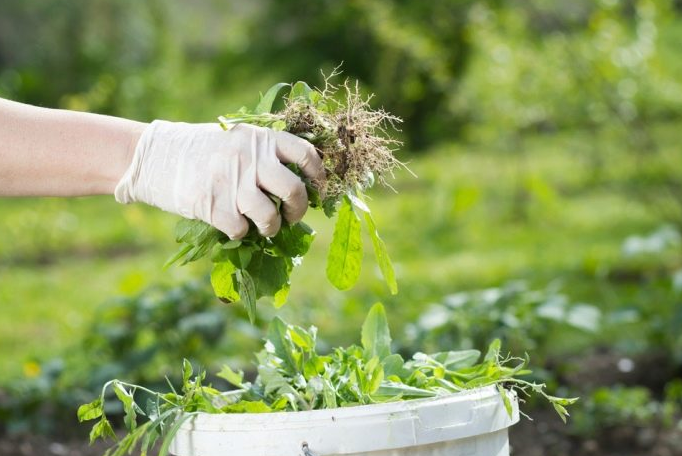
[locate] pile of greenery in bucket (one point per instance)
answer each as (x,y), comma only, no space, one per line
(292,376)
(356,149)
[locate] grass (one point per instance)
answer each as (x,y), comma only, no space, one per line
(476,216)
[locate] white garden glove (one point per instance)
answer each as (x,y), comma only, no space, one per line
(200,171)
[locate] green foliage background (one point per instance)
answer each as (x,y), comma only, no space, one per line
(545,136)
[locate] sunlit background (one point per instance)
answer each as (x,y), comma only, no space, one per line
(547,211)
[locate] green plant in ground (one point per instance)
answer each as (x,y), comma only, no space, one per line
(136,338)
(293,376)
(353,141)
(515,313)
(627,406)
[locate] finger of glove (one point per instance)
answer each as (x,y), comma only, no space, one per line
(278,180)
(232,223)
(225,213)
(261,210)
(292,149)
(223,187)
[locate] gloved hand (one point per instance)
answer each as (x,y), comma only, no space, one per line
(201,172)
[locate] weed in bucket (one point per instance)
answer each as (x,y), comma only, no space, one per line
(294,377)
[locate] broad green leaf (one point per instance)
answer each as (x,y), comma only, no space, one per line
(270,274)
(219,252)
(301,338)
(345,253)
(377,376)
(455,360)
(240,256)
(381,255)
(223,281)
(281,296)
(393,365)
(234,378)
(300,90)
(277,335)
(267,100)
(247,293)
(102,430)
(328,394)
(294,240)
(493,351)
(90,411)
(376,337)
(279,125)
(247,407)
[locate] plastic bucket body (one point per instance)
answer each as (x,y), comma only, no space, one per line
(470,423)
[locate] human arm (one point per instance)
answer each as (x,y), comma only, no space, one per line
(195,170)
(53,152)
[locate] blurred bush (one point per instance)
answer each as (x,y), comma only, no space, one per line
(501,67)
(140,339)
(524,319)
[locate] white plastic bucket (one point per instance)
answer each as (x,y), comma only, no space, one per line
(471,423)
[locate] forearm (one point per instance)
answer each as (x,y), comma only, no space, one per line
(51,152)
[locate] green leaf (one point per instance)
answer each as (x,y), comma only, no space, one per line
(391,389)
(328,394)
(224,282)
(219,252)
(270,274)
(493,351)
(381,255)
(247,407)
(505,400)
(102,430)
(126,398)
(393,365)
(456,360)
(376,377)
(345,253)
(562,400)
(300,90)
(278,337)
(239,256)
(279,125)
(186,372)
(281,296)
(247,293)
(294,240)
(90,411)
(193,231)
(184,250)
(301,338)
(234,378)
(376,337)
(268,100)
(170,433)
(561,410)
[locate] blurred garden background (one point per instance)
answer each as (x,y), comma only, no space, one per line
(547,211)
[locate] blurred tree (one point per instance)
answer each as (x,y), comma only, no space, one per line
(411,54)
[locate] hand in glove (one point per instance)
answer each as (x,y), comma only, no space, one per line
(200,171)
